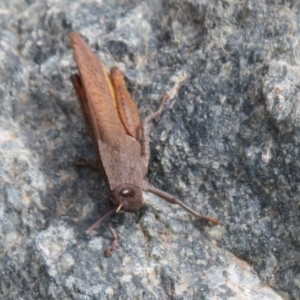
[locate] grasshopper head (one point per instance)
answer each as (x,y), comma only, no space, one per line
(127,197)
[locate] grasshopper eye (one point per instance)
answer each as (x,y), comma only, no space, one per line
(127,192)
(127,197)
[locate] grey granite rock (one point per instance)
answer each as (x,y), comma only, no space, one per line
(227,145)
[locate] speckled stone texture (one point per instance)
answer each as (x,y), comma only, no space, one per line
(227,145)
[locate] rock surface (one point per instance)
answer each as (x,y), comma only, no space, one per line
(227,145)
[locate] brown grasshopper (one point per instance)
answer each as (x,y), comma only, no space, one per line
(120,138)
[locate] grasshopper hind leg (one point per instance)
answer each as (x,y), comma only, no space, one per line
(145,142)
